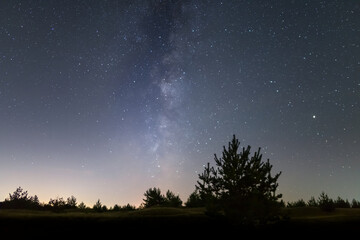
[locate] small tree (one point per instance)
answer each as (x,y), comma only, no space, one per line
(128,207)
(153,197)
(312,202)
(195,200)
(35,200)
(97,206)
(241,185)
(82,206)
(57,204)
(326,203)
(172,200)
(341,203)
(71,202)
(104,208)
(296,204)
(355,203)
(116,208)
(19,195)
(20,199)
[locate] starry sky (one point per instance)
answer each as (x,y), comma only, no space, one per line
(105,99)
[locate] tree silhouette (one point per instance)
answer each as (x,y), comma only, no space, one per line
(298,203)
(116,208)
(241,185)
(355,203)
(341,203)
(195,200)
(19,194)
(57,204)
(82,206)
(326,203)
(128,207)
(172,200)
(153,197)
(97,206)
(71,202)
(21,199)
(312,202)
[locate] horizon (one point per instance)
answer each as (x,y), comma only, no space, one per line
(104,100)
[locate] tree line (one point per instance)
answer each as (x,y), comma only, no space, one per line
(20,199)
(325,203)
(240,187)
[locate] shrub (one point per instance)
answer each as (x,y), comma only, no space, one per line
(326,203)
(298,203)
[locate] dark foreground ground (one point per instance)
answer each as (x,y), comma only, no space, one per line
(167,223)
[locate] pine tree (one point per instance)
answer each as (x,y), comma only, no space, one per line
(241,185)
(153,197)
(312,202)
(98,206)
(326,203)
(82,206)
(355,203)
(21,199)
(195,200)
(172,200)
(71,202)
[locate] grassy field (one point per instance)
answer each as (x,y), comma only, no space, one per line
(160,212)
(178,221)
(315,214)
(295,214)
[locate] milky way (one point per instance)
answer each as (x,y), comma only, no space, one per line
(105,99)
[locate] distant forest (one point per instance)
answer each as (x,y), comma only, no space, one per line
(20,199)
(240,187)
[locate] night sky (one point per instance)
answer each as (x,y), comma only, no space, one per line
(105,99)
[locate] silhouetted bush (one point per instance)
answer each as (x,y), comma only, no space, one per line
(195,200)
(57,204)
(153,197)
(128,207)
(298,203)
(98,206)
(172,200)
(355,203)
(242,186)
(326,203)
(71,202)
(341,203)
(82,206)
(312,202)
(124,208)
(116,208)
(21,200)
(281,204)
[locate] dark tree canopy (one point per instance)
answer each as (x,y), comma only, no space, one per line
(57,203)
(312,202)
(326,203)
(297,204)
(21,199)
(195,200)
(241,185)
(172,200)
(154,197)
(341,203)
(355,203)
(98,207)
(71,202)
